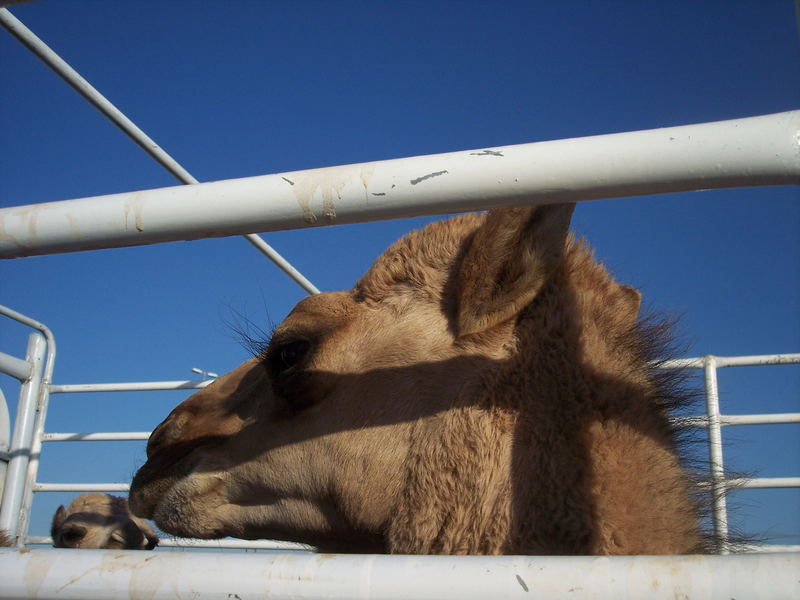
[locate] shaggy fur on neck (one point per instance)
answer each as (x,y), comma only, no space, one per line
(564,447)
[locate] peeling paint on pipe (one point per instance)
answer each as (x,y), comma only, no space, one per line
(754,151)
(90,574)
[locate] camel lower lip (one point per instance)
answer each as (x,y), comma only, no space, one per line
(148,489)
(139,505)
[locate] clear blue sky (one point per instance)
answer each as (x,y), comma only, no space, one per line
(243,88)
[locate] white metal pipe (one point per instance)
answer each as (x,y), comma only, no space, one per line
(234,543)
(90,574)
(237,544)
(223,544)
(115,436)
(101,103)
(765,419)
(81,487)
(764,483)
(720,510)
(761,360)
(281,262)
(725,420)
(5,440)
(730,420)
(48,336)
(743,152)
(23,478)
(22,438)
(140,386)
(15,367)
(680,363)
(769,548)
(756,483)
(732,361)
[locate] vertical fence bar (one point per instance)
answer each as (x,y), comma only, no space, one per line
(718,487)
(21,441)
(33,462)
(5,440)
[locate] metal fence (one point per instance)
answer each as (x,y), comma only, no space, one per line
(744,152)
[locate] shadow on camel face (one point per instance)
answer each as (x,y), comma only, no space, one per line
(483,389)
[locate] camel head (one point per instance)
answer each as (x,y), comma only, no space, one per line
(415,412)
(100,521)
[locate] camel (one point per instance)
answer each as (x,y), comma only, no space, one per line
(485,388)
(101,521)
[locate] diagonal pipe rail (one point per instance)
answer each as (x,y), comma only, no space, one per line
(25,36)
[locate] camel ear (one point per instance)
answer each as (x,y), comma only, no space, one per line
(634,298)
(58,521)
(508,260)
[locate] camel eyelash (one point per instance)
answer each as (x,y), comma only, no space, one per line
(255,343)
(252,337)
(261,344)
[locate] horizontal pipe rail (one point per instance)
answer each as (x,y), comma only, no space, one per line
(743,152)
(763,419)
(171,542)
(738,483)
(114,436)
(730,420)
(764,483)
(90,574)
(141,386)
(81,487)
(726,420)
(759,360)
(17,368)
(754,361)
(752,548)
(733,483)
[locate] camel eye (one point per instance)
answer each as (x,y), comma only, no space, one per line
(290,354)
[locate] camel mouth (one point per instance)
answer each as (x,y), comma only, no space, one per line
(163,469)
(153,482)
(143,497)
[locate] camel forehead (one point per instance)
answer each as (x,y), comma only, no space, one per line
(90,502)
(319,311)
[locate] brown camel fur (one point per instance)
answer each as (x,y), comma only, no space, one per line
(485,388)
(101,521)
